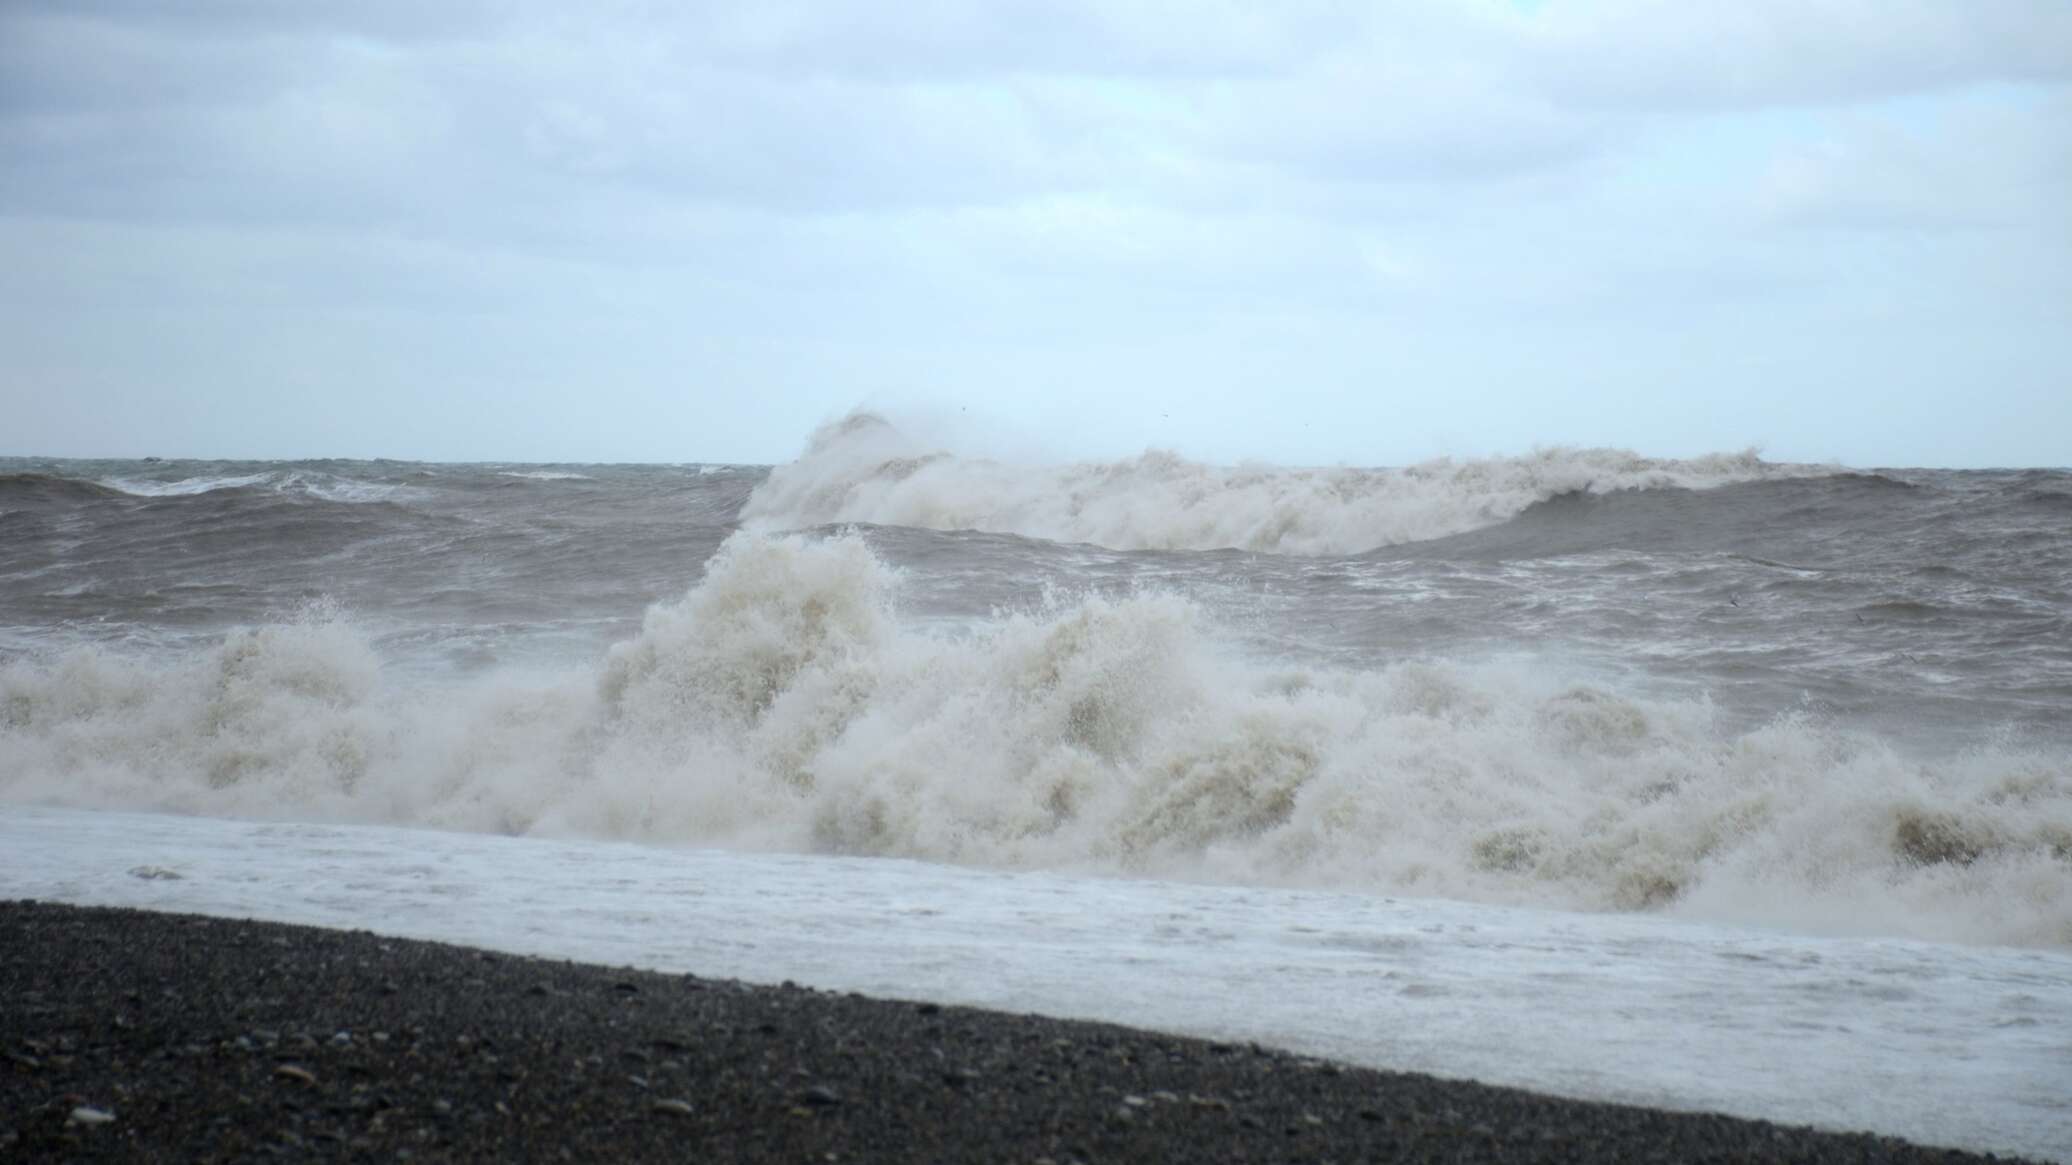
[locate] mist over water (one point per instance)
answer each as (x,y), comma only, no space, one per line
(1719,688)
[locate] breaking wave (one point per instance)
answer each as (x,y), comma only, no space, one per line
(862,469)
(330,487)
(143,487)
(781,704)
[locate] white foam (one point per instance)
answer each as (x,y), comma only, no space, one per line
(862,469)
(334,488)
(781,704)
(1941,1044)
(183,487)
(328,486)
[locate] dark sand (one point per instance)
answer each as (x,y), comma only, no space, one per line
(134,1036)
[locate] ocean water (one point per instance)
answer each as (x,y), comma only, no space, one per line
(1714,703)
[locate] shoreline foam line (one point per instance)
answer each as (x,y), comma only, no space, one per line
(1936,1043)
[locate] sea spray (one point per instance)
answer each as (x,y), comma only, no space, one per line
(782,702)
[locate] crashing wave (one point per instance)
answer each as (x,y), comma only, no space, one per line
(780,703)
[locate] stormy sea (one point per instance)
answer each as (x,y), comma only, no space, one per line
(1715,783)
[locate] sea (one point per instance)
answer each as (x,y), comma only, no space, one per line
(1710,783)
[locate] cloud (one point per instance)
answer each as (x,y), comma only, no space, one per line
(1665,55)
(446,118)
(1047,202)
(997,39)
(801,109)
(393,21)
(1980,165)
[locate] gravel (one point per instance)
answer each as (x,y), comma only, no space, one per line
(134,1036)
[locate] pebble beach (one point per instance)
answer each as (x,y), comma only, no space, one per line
(140,1036)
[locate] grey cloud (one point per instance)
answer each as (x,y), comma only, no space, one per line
(1986,167)
(735,106)
(805,146)
(963,39)
(63,62)
(1646,55)
(1359,124)
(399,21)
(809,201)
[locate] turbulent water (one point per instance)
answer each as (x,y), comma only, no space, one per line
(1720,688)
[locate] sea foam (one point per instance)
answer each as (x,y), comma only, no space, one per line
(781,703)
(864,469)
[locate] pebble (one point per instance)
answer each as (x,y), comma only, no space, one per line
(671,1106)
(821,1096)
(296,1073)
(89,1115)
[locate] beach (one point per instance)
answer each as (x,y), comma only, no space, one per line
(141,1036)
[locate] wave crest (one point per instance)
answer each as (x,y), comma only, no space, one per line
(863,469)
(330,487)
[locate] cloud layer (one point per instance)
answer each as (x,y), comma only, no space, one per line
(1316,231)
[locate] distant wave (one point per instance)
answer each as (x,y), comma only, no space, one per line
(185,486)
(1721,519)
(544,475)
(781,703)
(52,487)
(330,487)
(863,469)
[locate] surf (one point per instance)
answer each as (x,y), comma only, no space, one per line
(781,703)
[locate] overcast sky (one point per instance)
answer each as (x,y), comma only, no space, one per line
(1314,233)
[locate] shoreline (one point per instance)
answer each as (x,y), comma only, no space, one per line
(135,1035)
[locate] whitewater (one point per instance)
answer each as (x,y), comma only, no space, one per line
(1698,740)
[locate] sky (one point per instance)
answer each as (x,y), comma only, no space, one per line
(1303,232)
